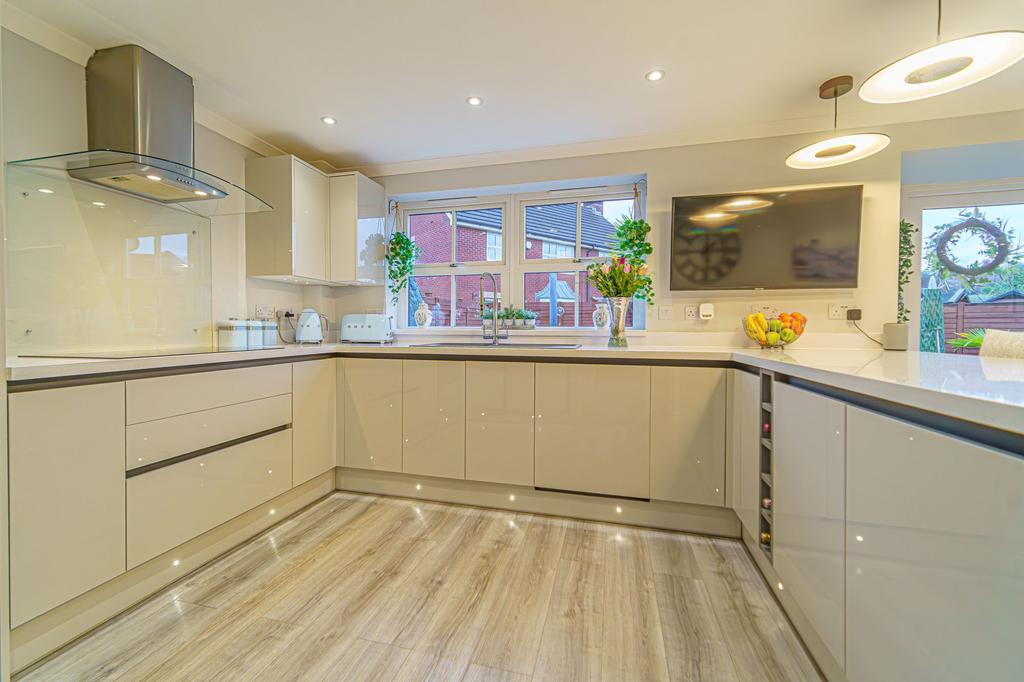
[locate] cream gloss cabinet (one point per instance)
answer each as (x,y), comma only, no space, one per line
(434,418)
(314,391)
(688,434)
(809,509)
(744,459)
(594,429)
(67,494)
(290,242)
(373,413)
(499,422)
(357,227)
(934,554)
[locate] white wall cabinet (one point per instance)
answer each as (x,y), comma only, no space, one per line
(357,226)
(934,541)
(688,434)
(67,494)
(809,510)
(746,448)
(434,418)
(314,391)
(373,414)
(499,422)
(290,242)
(594,428)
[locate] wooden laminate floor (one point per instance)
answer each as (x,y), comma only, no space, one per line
(359,587)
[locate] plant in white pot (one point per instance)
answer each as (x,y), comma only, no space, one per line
(896,335)
(625,277)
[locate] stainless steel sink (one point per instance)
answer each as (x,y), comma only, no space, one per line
(484,344)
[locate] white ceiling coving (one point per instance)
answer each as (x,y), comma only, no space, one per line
(556,78)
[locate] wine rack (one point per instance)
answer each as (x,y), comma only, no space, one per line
(766,499)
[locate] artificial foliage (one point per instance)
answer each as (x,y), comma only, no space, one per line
(626,274)
(402,253)
(906,262)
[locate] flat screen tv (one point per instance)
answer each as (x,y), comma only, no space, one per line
(805,239)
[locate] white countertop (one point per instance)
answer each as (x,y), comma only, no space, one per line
(982,390)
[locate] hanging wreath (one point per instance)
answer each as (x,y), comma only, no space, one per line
(973,225)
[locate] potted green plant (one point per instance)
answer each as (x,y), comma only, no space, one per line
(626,276)
(896,335)
(400,258)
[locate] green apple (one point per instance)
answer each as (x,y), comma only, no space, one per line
(773,338)
(788,336)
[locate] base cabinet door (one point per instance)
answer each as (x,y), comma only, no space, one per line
(688,434)
(809,508)
(314,387)
(746,449)
(935,555)
(373,414)
(67,494)
(593,429)
(499,422)
(434,418)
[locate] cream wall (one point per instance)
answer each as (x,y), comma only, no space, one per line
(749,165)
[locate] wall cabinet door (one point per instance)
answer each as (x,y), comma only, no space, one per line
(310,220)
(357,222)
(373,414)
(314,386)
(499,422)
(594,429)
(934,542)
(688,434)
(746,454)
(809,507)
(434,418)
(67,494)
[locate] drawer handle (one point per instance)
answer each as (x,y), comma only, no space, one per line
(178,459)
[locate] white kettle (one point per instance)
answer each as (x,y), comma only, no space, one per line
(309,328)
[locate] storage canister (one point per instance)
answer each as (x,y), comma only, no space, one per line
(270,333)
(255,333)
(232,335)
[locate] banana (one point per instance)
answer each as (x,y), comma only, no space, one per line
(762,322)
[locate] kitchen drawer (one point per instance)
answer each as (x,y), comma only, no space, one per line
(160,397)
(169,506)
(155,441)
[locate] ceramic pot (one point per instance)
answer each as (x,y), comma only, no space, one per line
(601,317)
(423,315)
(620,306)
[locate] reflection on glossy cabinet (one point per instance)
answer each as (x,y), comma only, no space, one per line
(373,414)
(499,422)
(358,213)
(314,387)
(594,428)
(339,413)
(934,541)
(809,511)
(434,418)
(746,448)
(688,434)
(67,495)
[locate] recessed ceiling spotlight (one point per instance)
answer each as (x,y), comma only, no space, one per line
(474,101)
(328,120)
(45,190)
(838,149)
(154,178)
(655,75)
(944,67)
(99,204)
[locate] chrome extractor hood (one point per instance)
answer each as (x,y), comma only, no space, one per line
(141,136)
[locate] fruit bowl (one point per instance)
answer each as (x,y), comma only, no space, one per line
(774,332)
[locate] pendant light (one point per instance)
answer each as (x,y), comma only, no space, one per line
(839,149)
(944,67)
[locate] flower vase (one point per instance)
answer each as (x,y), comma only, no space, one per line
(600,316)
(423,315)
(619,306)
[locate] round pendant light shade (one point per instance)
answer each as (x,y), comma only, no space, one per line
(944,67)
(835,151)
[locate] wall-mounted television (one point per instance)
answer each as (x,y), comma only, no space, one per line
(803,239)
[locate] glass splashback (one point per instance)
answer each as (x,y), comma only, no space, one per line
(92,269)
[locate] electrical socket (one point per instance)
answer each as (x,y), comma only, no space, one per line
(837,311)
(767,309)
(664,312)
(690,313)
(264,312)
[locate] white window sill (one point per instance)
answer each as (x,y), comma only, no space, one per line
(415,332)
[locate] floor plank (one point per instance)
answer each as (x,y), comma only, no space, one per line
(359,587)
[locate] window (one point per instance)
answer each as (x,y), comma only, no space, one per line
(555,238)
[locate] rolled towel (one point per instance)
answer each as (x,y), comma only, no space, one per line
(1002,344)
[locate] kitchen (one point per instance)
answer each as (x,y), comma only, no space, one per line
(350,391)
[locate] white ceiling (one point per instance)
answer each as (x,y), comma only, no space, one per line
(551,72)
